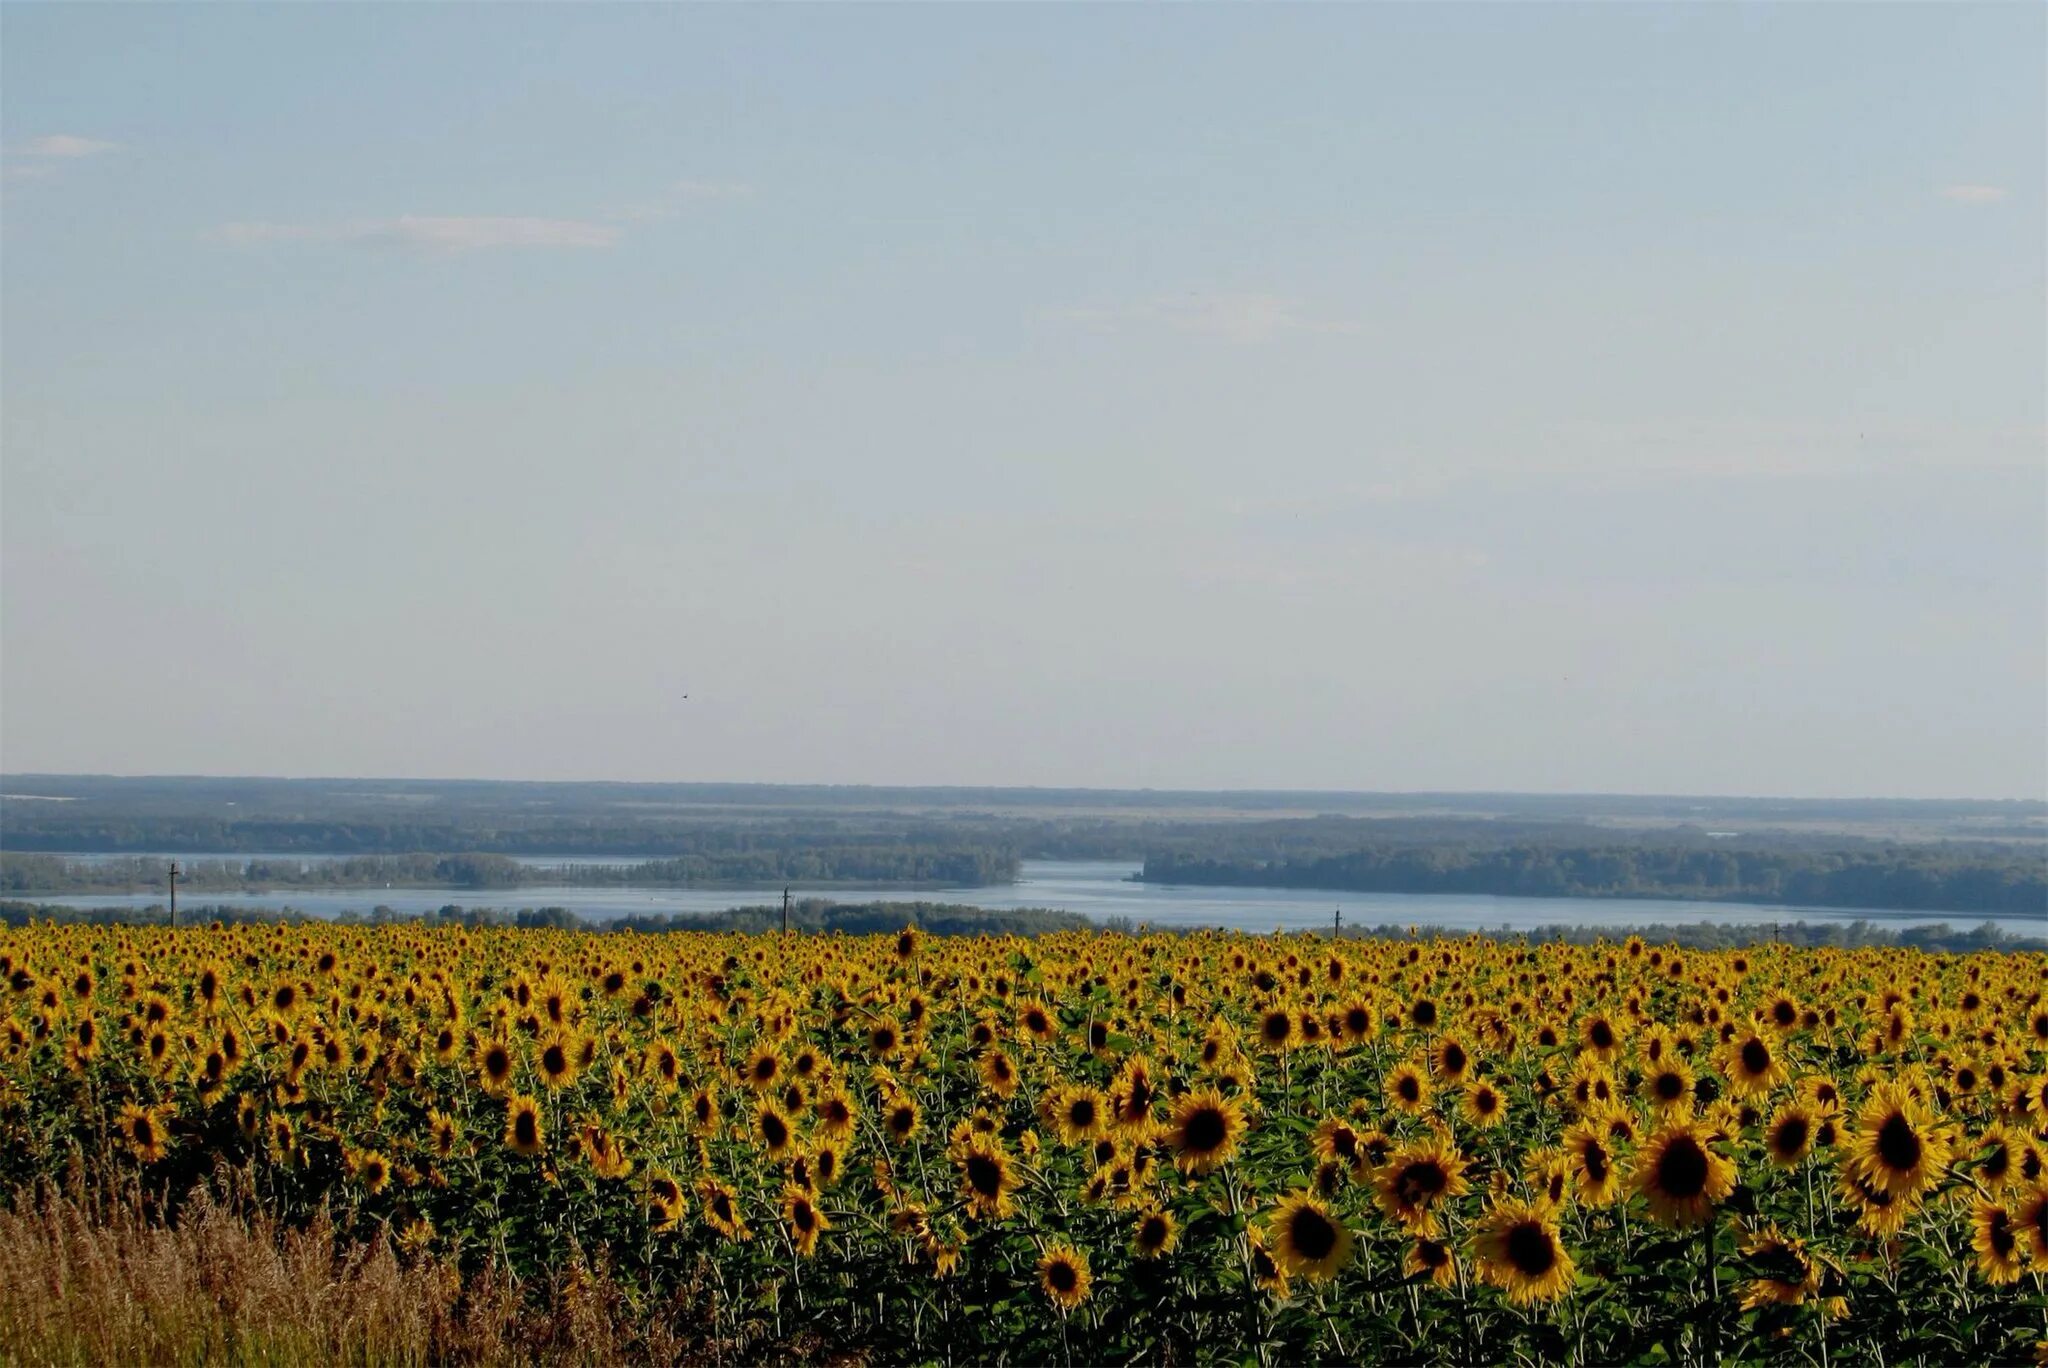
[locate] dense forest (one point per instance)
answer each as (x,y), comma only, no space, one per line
(1973,879)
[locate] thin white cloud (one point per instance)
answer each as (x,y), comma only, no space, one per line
(1248,318)
(63,145)
(445,233)
(1975,194)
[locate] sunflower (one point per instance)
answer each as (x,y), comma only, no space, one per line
(1995,1237)
(1416,1179)
(987,1177)
(560,1060)
(1681,1175)
(721,1208)
(1752,1065)
(494,1065)
(1155,1234)
(373,1169)
(1063,1274)
(1307,1239)
(762,1068)
(523,1131)
(1598,1035)
(1668,1086)
(1878,1212)
(1788,1273)
(147,1130)
(998,1074)
(1789,1137)
(1336,1141)
(1484,1105)
(1549,1172)
(665,1201)
(2003,1153)
(1516,1248)
(1595,1173)
(834,1114)
(1267,1273)
(1276,1030)
(1407,1088)
(1207,1128)
(1897,1149)
(1450,1059)
(900,1118)
(1036,1023)
(772,1131)
(1079,1114)
(2030,1219)
(1430,1261)
(805,1222)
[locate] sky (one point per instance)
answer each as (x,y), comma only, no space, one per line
(1549,398)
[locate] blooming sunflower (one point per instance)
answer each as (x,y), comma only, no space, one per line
(523,1132)
(1995,1238)
(721,1208)
(1595,1171)
(494,1064)
(1407,1088)
(665,1201)
(1484,1105)
(1155,1234)
(1431,1261)
(1207,1128)
(1681,1175)
(1789,1137)
(988,1175)
(805,1222)
(1897,1148)
(1668,1085)
(1079,1114)
(1063,1274)
(1307,1239)
(147,1130)
(1516,1248)
(1787,1273)
(1752,1065)
(1416,1179)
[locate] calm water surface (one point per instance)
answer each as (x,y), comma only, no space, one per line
(1094,888)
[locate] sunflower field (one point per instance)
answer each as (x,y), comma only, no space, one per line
(1094,1148)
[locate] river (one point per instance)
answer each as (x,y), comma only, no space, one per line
(1094,888)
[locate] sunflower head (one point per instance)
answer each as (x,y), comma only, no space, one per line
(1307,1238)
(1516,1247)
(1063,1275)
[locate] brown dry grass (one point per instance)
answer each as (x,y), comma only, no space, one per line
(103,1284)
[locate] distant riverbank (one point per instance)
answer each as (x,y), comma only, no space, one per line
(849,867)
(1104,891)
(1962,880)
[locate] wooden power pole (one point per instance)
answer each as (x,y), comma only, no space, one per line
(785,911)
(1336,922)
(175,871)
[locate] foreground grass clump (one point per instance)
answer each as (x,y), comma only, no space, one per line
(400,1144)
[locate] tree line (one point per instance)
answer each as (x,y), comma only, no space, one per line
(1974,879)
(960,866)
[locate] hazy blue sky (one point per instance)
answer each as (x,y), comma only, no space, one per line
(1618,398)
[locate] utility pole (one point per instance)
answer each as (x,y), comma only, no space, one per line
(175,871)
(1336,923)
(785,911)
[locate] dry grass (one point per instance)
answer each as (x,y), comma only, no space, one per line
(103,1284)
